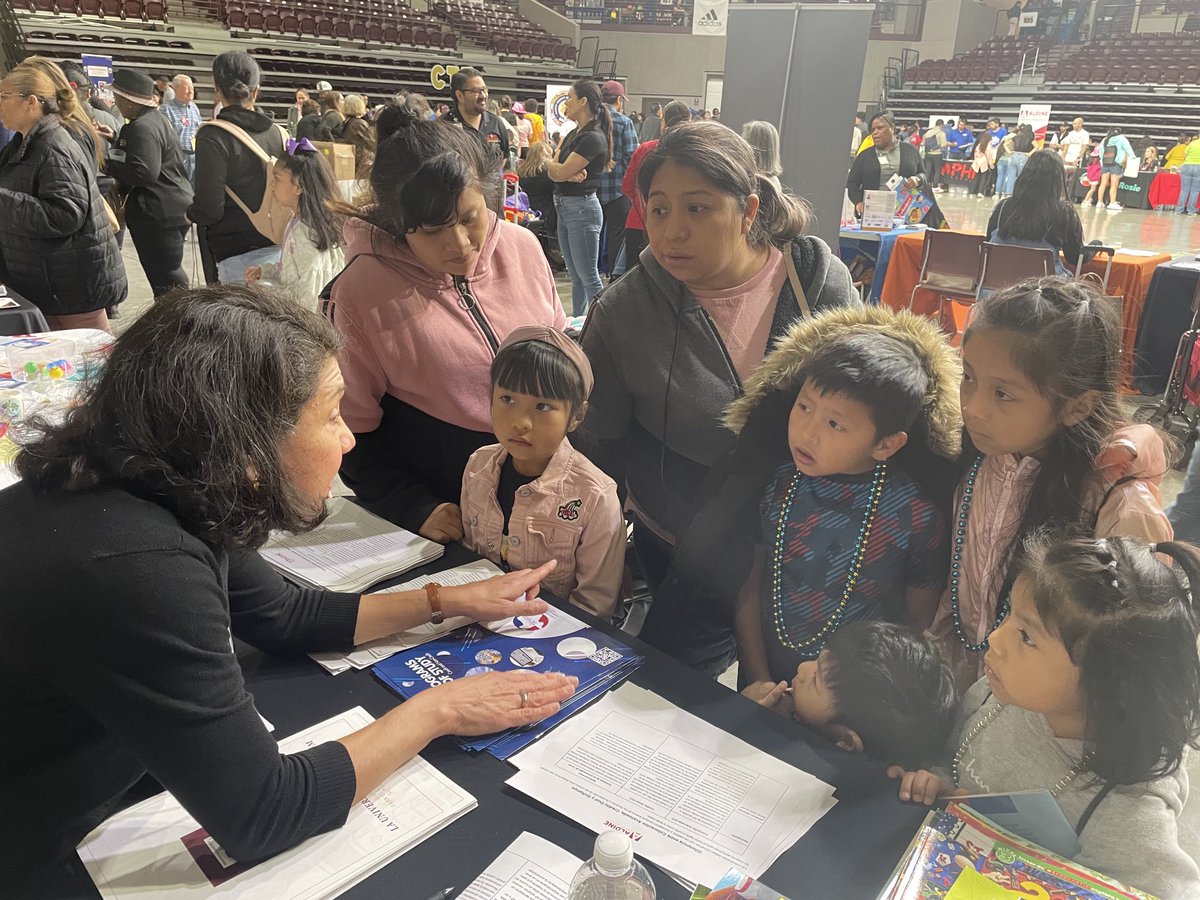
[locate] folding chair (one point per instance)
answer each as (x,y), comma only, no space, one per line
(1002,265)
(949,264)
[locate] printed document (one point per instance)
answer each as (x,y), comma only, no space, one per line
(155,849)
(695,800)
(531,868)
(366,655)
(350,551)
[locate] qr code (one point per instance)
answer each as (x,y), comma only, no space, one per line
(605,656)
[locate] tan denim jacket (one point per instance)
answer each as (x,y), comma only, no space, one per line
(570,513)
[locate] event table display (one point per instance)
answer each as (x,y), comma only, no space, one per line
(849,852)
(1129,280)
(18,315)
(1167,314)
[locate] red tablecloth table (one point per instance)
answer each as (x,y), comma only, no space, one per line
(1164,189)
(1129,280)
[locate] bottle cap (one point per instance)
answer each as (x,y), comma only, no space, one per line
(613,853)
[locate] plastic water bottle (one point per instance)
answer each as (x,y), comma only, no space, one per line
(612,873)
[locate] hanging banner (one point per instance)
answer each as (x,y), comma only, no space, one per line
(100,73)
(710,17)
(1037,117)
(556,103)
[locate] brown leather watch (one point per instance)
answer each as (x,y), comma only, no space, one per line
(436,616)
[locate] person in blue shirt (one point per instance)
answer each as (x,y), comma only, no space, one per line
(612,201)
(1115,152)
(960,140)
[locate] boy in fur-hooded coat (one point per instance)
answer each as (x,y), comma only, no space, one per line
(803,588)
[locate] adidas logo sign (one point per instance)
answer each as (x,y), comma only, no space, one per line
(710,18)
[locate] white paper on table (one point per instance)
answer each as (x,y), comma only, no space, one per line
(531,868)
(366,655)
(351,550)
(879,211)
(695,800)
(1129,251)
(139,852)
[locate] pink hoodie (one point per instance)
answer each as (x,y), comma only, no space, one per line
(409,331)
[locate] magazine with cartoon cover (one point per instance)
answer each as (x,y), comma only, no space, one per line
(958,854)
(553,641)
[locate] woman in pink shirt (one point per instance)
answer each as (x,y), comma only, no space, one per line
(672,342)
(434,281)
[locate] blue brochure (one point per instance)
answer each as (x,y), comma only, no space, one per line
(554,641)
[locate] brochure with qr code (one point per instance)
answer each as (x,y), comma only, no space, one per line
(553,641)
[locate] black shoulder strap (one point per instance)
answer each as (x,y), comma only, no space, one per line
(1091,807)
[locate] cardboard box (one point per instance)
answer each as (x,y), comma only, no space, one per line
(340,158)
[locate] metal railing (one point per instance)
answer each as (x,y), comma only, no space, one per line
(1029,66)
(12,39)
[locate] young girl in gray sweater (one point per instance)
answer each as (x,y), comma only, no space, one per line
(1091,691)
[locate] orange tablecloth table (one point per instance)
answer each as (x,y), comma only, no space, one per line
(1130,280)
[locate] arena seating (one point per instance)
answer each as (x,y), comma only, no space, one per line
(986,64)
(134,10)
(501,28)
(1130,59)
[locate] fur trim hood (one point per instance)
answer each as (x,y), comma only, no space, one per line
(784,364)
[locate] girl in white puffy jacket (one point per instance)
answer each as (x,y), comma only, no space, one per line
(312,244)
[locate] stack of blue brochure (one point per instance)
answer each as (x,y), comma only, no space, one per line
(553,641)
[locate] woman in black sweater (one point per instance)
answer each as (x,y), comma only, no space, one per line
(874,167)
(1038,213)
(215,422)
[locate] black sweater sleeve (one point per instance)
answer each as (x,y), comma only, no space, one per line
(162,679)
(278,616)
(212,173)
(860,179)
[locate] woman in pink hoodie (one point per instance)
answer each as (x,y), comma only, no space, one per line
(434,281)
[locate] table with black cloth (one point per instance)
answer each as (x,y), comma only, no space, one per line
(849,852)
(24,318)
(1134,193)
(1167,314)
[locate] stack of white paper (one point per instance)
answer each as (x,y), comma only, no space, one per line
(531,868)
(155,849)
(695,800)
(350,551)
(366,655)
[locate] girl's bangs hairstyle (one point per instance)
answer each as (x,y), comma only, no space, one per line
(1129,623)
(540,370)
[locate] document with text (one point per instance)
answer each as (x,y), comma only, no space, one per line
(695,800)
(531,868)
(366,655)
(156,849)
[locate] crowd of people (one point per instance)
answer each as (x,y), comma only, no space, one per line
(952,560)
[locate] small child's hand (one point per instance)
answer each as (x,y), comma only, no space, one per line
(921,786)
(775,697)
(253,274)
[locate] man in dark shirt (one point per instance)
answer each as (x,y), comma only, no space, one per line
(147,162)
(470,111)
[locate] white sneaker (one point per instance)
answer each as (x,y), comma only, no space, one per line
(1115,206)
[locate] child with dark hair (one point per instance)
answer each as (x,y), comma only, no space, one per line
(876,688)
(846,532)
(312,243)
(1045,447)
(1091,691)
(533,497)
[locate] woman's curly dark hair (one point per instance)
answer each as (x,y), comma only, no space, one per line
(192,410)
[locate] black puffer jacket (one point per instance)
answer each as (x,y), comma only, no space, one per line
(56,247)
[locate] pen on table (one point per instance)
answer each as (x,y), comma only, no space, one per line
(444,894)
